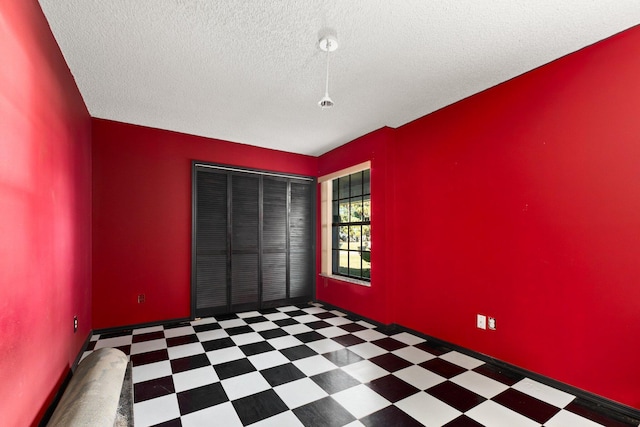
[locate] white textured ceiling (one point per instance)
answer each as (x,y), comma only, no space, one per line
(251,71)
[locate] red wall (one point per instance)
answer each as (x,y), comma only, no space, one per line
(528,202)
(372,302)
(521,203)
(45,212)
(142,216)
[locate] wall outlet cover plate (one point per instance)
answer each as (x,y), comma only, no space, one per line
(481,321)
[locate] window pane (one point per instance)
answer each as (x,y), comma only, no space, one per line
(366,265)
(355,261)
(335,254)
(335,237)
(335,212)
(356,209)
(366,209)
(344,211)
(343,265)
(366,175)
(334,189)
(356,184)
(344,237)
(366,238)
(355,236)
(343,183)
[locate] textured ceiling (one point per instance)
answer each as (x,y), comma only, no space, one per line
(251,71)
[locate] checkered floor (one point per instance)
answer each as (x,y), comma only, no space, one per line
(310,366)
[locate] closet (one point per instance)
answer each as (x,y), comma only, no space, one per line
(253,240)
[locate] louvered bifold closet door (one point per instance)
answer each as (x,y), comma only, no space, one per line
(274,241)
(211,245)
(245,242)
(301,248)
(253,240)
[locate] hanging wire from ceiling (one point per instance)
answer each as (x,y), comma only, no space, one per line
(327,44)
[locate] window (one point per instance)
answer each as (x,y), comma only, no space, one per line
(346,224)
(351,226)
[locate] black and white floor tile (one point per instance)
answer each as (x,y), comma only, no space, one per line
(310,366)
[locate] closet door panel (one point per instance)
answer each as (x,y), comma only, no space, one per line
(211,212)
(274,215)
(211,282)
(244,202)
(301,220)
(274,241)
(274,276)
(245,265)
(301,256)
(211,242)
(301,269)
(244,279)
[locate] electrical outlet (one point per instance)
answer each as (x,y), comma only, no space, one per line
(492,323)
(140,298)
(481,321)
(75,324)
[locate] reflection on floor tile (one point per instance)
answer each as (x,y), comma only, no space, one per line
(194,378)
(499,416)
(300,392)
(428,410)
(484,386)
(361,400)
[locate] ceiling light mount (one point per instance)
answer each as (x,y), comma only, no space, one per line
(328,43)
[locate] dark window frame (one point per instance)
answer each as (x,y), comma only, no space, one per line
(357,193)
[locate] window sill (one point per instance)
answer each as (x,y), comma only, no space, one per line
(347,280)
